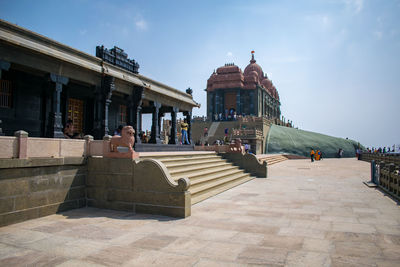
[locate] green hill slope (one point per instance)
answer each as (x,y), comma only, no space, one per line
(294,141)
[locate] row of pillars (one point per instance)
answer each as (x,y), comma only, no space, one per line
(103,96)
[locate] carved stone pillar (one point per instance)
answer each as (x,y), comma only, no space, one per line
(55,126)
(160,116)
(155,130)
(174,137)
(98,113)
(238,102)
(136,112)
(108,88)
(188,115)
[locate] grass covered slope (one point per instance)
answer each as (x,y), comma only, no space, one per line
(298,142)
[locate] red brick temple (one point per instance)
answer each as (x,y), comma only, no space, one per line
(231,91)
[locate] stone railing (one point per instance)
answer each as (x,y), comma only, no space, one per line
(247,133)
(218,149)
(378,157)
(389,179)
(21,146)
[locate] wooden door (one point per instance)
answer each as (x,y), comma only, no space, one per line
(75,113)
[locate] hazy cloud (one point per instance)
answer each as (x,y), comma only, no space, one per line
(229,54)
(354,5)
(141,24)
(323,20)
(378,35)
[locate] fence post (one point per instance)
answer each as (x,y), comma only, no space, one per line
(22,144)
(88,139)
(106,145)
(373,171)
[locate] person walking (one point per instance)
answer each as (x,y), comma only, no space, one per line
(312,153)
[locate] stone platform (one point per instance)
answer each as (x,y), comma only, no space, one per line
(304,214)
(161,147)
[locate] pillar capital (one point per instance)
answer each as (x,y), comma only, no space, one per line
(59,79)
(21,133)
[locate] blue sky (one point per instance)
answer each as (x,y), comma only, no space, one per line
(335,63)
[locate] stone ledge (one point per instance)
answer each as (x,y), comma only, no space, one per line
(40,162)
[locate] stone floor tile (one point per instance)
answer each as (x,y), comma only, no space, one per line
(247,238)
(287,242)
(204,262)
(309,259)
(350,261)
(298,231)
(32,258)
(154,241)
(80,263)
(159,258)
(262,229)
(215,234)
(21,237)
(350,236)
(309,224)
(114,255)
(221,251)
(357,249)
(388,229)
(319,245)
(262,255)
(339,219)
(353,227)
(10,250)
(186,246)
(77,249)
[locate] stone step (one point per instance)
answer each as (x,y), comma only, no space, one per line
(210,177)
(208,173)
(176,165)
(171,156)
(204,172)
(196,198)
(189,169)
(177,159)
(216,182)
(272,159)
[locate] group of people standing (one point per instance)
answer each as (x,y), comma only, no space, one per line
(317,155)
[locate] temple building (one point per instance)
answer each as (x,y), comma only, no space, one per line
(231,91)
(44,83)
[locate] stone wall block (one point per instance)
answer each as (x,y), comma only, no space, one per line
(6,205)
(18,216)
(13,187)
(77,193)
(30,201)
(56,196)
(98,193)
(120,195)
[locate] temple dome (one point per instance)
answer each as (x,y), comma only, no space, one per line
(253,66)
(266,83)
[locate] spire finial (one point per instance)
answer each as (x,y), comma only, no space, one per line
(252,57)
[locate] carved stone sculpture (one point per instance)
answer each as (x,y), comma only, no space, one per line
(126,139)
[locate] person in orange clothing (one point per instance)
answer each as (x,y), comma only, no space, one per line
(317,155)
(312,153)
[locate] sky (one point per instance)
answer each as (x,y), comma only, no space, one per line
(335,63)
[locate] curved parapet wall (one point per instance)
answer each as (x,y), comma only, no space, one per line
(143,186)
(248,162)
(298,142)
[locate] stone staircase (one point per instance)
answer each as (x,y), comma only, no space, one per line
(271,158)
(208,173)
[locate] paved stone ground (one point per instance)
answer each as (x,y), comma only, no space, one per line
(304,214)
